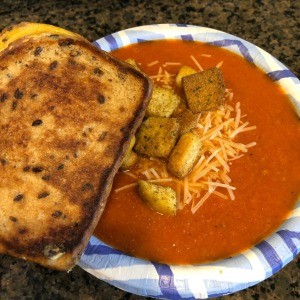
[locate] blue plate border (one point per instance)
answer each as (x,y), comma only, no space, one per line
(222,277)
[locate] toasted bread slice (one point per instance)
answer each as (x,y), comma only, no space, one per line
(25,29)
(67,114)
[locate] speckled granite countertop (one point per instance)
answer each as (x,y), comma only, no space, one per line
(272,25)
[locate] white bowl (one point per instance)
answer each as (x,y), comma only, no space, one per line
(224,276)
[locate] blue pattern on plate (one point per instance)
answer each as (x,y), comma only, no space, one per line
(187,37)
(230,42)
(111,42)
(221,277)
(100,249)
(288,237)
(279,74)
(166,280)
(271,256)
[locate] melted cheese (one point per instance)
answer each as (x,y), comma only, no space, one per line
(30,29)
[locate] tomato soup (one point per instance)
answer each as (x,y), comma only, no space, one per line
(267,177)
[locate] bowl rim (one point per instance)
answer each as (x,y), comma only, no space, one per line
(224,276)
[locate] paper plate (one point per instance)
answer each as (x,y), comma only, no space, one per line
(224,276)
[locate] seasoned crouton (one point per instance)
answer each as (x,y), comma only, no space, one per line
(163,102)
(131,144)
(157,137)
(160,198)
(185,155)
(204,90)
(132,62)
(130,160)
(184,71)
(188,121)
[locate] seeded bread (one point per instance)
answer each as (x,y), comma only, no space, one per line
(67,114)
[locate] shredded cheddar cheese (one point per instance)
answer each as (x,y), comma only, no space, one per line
(153,63)
(219,65)
(205,55)
(196,63)
(170,63)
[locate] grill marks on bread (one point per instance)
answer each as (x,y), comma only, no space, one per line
(62,140)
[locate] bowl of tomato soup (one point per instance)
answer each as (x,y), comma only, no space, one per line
(237,221)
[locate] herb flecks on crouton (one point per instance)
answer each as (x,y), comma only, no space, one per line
(204,90)
(163,102)
(160,198)
(188,121)
(130,160)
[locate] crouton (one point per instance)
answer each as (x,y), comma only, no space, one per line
(184,71)
(188,121)
(157,137)
(130,158)
(181,107)
(131,144)
(204,90)
(163,102)
(185,155)
(132,62)
(160,198)
(129,161)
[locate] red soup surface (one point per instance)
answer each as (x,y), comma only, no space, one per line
(267,177)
